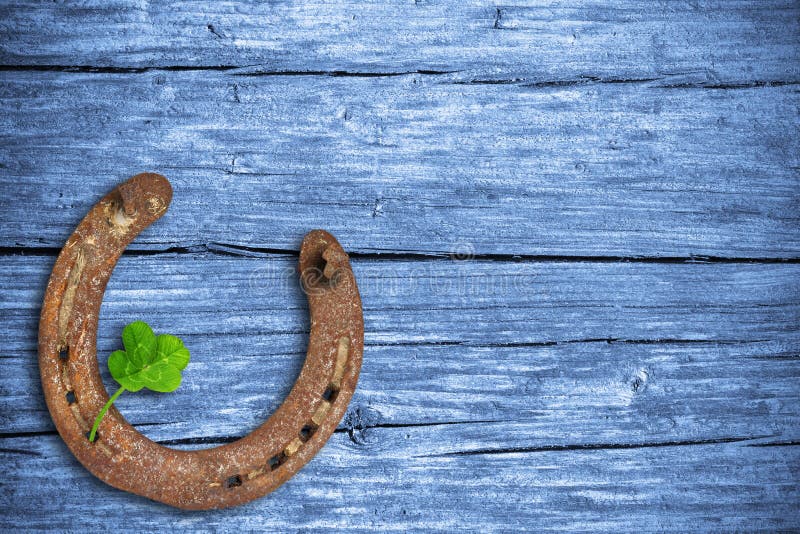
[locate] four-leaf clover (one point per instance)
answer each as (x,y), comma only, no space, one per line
(148,362)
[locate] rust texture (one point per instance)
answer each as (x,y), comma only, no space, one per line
(219,477)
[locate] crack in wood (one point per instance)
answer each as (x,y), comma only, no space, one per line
(229,249)
(20,451)
(203,440)
(609,341)
(662,82)
(596,446)
(236,70)
(210,440)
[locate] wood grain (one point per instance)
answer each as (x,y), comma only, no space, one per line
(730,42)
(620,353)
(695,350)
(465,377)
(411,164)
(649,489)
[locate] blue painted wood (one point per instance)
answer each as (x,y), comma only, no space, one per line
(538,343)
(398,484)
(731,41)
(415,164)
(582,370)
(494,372)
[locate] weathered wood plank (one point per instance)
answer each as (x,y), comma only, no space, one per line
(581,395)
(399,485)
(737,41)
(409,164)
(495,395)
(702,351)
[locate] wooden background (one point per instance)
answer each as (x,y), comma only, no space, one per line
(575,224)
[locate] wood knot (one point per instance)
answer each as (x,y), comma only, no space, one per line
(638,382)
(359,421)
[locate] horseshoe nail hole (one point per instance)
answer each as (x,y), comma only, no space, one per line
(70,397)
(96,436)
(233,482)
(121,218)
(313,279)
(319,265)
(63,354)
(120,214)
(307,431)
(276,461)
(319,275)
(330,394)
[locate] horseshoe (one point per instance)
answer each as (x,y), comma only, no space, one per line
(219,477)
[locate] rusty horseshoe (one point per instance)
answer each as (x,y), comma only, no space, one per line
(219,477)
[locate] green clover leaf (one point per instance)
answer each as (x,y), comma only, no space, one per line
(148,362)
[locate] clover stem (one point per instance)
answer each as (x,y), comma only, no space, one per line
(103,412)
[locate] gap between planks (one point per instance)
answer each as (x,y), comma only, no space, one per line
(244,251)
(748,441)
(671,81)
